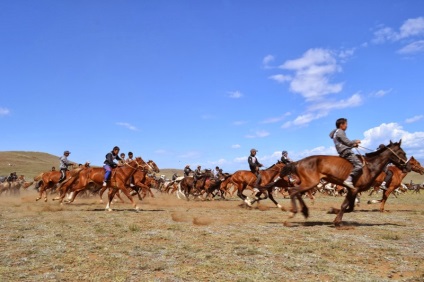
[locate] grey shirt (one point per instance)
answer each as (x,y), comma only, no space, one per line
(341,141)
(64,163)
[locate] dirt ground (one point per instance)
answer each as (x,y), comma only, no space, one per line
(176,240)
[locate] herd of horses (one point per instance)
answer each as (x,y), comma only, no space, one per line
(307,173)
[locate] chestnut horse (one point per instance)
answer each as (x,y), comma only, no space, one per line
(243,178)
(48,180)
(335,169)
(119,178)
(398,175)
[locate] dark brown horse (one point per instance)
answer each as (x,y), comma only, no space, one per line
(335,169)
(186,185)
(243,178)
(398,175)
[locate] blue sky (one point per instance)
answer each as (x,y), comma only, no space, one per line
(203,82)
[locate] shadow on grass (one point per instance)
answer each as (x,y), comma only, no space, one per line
(127,210)
(331,224)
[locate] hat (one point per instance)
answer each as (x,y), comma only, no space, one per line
(251,150)
(199,166)
(187,165)
(87,162)
(66,152)
(284,152)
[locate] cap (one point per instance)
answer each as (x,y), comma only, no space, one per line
(381,146)
(251,150)
(187,165)
(66,152)
(284,152)
(116,148)
(199,166)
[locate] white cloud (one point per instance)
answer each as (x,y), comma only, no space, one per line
(258,134)
(412,48)
(381,93)
(161,151)
(235,94)
(219,162)
(410,28)
(276,119)
(322,109)
(236,146)
(190,154)
(386,132)
(267,60)
(239,122)
(127,125)
(312,74)
(414,119)
(280,78)
(4,111)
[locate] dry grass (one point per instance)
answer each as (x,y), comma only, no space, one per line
(176,240)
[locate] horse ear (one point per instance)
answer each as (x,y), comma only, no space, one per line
(400,142)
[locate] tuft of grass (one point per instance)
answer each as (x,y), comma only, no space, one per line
(134,228)
(391,236)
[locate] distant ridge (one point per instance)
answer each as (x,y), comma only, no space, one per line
(31,164)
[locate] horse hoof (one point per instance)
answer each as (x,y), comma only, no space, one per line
(45,200)
(279,206)
(248,202)
(37,199)
(109,209)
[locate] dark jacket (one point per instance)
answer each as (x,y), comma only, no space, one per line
(110,157)
(187,171)
(285,160)
(253,163)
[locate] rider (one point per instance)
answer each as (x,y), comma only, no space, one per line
(109,163)
(197,175)
(286,160)
(122,161)
(254,166)
(344,148)
(389,173)
(64,163)
(187,170)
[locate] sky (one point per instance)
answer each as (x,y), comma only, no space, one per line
(203,82)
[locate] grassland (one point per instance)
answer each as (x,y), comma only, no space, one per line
(176,240)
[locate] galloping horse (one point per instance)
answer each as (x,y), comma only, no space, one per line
(334,169)
(398,175)
(48,180)
(186,185)
(243,178)
(119,177)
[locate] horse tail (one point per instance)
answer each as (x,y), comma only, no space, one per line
(39,177)
(288,169)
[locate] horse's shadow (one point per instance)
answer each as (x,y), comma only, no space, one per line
(127,210)
(345,224)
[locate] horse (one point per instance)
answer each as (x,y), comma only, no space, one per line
(335,169)
(398,175)
(48,180)
(117,182)
(243,178)
(186,185)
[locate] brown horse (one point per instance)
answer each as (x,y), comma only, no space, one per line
(186,185)
(398,175)
(48,180)
(243,178)
(140,179)
(119,178)
(335,169)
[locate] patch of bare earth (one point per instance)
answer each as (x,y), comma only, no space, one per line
(179,240)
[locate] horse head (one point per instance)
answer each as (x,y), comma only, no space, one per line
(153,166)
(416,166)
(398,156)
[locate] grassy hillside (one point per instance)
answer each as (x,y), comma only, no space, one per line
(31,164)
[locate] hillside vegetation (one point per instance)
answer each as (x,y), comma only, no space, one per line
(31,164)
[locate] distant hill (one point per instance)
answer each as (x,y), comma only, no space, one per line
(31,164)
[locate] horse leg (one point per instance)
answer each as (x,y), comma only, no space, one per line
(386,195)
(240,189)
(128,194)
(348,201)
(271,197)
(111,194)
(102,190)
(293,210)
